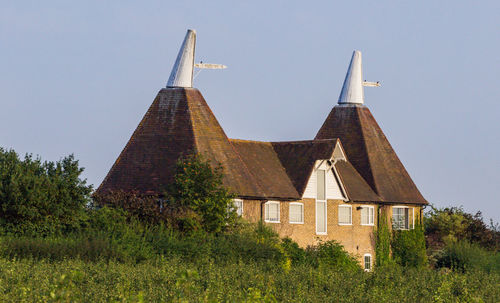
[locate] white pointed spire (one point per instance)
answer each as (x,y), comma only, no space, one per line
(352,91)
(182,72)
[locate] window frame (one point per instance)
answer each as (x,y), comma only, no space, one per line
(236,208)
(364,262)
(326,217)
(289,213)
(266,211)
(338,210)
(372,217)
(410,226)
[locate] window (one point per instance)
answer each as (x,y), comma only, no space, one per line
(345,215)
(368,262)
(321,217)
(321,202)
(367,215)
(296,213)
(272,212)
(238,206)
(402,217)
(321,182)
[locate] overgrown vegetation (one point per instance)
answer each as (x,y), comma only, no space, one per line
(383,243)
(41,197)
(408,247)
(196,200)
(189,246)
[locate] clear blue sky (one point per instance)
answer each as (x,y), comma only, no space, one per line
(77,77)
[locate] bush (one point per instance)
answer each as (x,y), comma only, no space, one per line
(408,247)
(331,254)
(41,198)
(451,224)
(197,198)
(465,256)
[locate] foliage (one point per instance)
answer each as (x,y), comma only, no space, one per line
(197,198)
(175,280)
(452,224)
(408,247)
(38,197)
(331,254)
(145,208)
(464,256)
(383,243)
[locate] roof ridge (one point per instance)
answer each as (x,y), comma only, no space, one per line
(305,141)
(248,141)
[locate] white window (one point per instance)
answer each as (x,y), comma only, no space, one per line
(367,215)
(321,228)
(296,213)
(321,183)
(238,206)
(272,212)
(402,217)
(321,217)
(367,258)
(345,215)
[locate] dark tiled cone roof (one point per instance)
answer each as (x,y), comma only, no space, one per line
(370,153)
(178,122)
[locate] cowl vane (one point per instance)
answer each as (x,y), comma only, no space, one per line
(352,91)
(182,72)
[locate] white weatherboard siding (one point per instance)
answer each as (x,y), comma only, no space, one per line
(333,190)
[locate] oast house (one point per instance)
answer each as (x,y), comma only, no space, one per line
(333,187)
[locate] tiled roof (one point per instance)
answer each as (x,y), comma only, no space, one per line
(178,122)
(370,153)
(298,158)
(357,189)
(262,161)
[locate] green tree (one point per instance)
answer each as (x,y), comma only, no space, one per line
(451,224)
(41,197)
(197,198)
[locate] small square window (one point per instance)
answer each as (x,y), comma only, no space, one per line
(345,214)
(272,212)
(296,213)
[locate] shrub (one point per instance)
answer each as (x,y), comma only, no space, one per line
(197,198)
(451,224)
(145,208)
(331,254)
(408,247)
(463,256)
(41,198)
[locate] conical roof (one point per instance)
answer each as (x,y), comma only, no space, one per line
(370,152)
(178,122)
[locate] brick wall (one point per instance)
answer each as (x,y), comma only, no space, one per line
(356,238)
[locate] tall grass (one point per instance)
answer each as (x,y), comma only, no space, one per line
(174,280)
